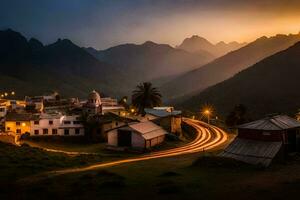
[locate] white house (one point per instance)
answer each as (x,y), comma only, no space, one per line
(57,124)
(137,135)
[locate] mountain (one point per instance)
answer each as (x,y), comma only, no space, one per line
(196,44)
(270,86)
(30,68)
(150,60)
(226,66)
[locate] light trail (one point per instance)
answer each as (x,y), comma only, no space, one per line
(208,137)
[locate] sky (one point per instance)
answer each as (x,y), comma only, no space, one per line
(105,23)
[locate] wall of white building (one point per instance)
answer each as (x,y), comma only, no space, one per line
(58,125)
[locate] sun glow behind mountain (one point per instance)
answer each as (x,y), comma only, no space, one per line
(103,24)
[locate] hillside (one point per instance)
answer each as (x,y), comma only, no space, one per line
(226,66)
(270,86)
(196,44)
(29,68)
(151,60)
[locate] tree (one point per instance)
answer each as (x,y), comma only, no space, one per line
(145,96)
(91,124)
(237,116)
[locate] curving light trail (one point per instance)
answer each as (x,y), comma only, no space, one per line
(208,137)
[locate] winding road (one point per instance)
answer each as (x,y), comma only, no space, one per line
(208,137)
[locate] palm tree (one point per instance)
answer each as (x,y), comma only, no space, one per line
(145,96)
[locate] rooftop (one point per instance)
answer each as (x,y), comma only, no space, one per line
(273,123)
(147,129)
(162,112)
(13,116)
(252,151)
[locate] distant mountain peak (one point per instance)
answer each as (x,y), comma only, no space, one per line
(196,44)
(147,43)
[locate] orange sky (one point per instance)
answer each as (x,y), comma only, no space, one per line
(102,24)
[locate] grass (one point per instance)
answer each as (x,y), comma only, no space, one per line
(184,177)
(17,162)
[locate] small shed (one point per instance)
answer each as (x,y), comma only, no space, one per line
(260,141)
(166,117)
(137,135)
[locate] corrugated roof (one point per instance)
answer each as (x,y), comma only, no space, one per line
(148,129)
(278,122)
(161,112)
(252,151)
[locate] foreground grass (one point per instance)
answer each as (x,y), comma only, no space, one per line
(184,177)
(18,162)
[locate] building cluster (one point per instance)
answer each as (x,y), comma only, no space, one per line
(50,115)
(261,141)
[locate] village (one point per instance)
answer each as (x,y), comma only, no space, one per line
(102,120)
(120,127)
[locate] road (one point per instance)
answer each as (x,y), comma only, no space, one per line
(208,137)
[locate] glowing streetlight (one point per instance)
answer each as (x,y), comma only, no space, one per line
(13,93)
(6,94)
(207,112)
(132,110)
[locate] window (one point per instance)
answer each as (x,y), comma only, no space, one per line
(18,130)
(54,131)
(77,131)
(77,122)
(45,131)
(2,109)
(36,132)
(67,122)
(50,122)
(18,123)
(36,122)
(66,132)
(8,128)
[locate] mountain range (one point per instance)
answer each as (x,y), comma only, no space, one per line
(195,81)
(29,68)
(269,86)
(197,44)
(150,60)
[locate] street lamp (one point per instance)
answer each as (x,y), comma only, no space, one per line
(207,112)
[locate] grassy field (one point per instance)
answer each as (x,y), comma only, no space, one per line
(184,177)
(195,176)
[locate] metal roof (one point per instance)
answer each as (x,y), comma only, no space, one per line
(252,151)
(147,129)
(278,122)
(162,112)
